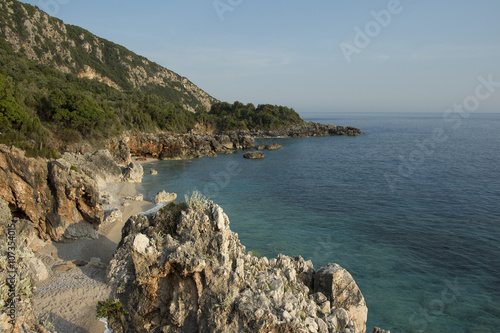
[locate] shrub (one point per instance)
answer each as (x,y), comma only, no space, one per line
(110,309)
(196,201)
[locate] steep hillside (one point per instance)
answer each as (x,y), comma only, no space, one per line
(71,49)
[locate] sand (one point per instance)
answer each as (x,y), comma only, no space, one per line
(69,298)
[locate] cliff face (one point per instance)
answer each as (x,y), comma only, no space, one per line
(60,201)
(60,197)
(71,49)
(185,271)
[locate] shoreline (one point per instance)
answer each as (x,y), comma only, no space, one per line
(76,282)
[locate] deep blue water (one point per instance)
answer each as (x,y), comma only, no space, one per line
(411,209)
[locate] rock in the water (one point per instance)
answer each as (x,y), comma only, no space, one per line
(340,288)
(262,146)
(274,146)
(253,155)
(379,330)
(153,171)
(164,196)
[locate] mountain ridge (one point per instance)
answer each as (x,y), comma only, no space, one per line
(72,49)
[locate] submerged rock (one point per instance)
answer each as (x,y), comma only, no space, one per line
(186,271)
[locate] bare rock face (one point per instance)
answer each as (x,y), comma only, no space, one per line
(342,291)
(133,173)
(77,212)
(99,165)
(186,146)
(186,271)
(61,201)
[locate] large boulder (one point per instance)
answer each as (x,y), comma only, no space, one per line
(133,173)
(340,288)
(184,270)
(77,212)
(164,196)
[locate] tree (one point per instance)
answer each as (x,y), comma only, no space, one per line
(11,113)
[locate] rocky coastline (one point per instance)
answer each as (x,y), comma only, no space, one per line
(180,269)
(193,145)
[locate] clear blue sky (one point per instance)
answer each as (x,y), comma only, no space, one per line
(426,56)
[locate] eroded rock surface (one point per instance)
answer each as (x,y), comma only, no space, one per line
(52,194)
(186,271)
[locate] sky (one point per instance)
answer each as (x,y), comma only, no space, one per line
(313,56)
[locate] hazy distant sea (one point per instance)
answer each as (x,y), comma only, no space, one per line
(411,209)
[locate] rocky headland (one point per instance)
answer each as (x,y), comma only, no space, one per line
(194,145)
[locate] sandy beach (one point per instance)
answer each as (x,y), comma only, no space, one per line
(76,282)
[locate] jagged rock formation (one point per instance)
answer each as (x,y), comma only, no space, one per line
(185,271)
(71,49)
(61,197)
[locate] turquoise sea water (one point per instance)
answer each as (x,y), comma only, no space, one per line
(411,209)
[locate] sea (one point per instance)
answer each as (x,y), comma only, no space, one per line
(411,209)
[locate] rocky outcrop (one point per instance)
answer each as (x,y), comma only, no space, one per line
(60,197)
(254,155)
(164,196)
(342,291)
(186,146)
(133,173)
(193,145)
(183,270)
(274,146)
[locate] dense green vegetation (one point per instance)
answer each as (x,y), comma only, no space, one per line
(238,116)
(43,109)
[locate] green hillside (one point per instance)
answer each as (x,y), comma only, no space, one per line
(59,91)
